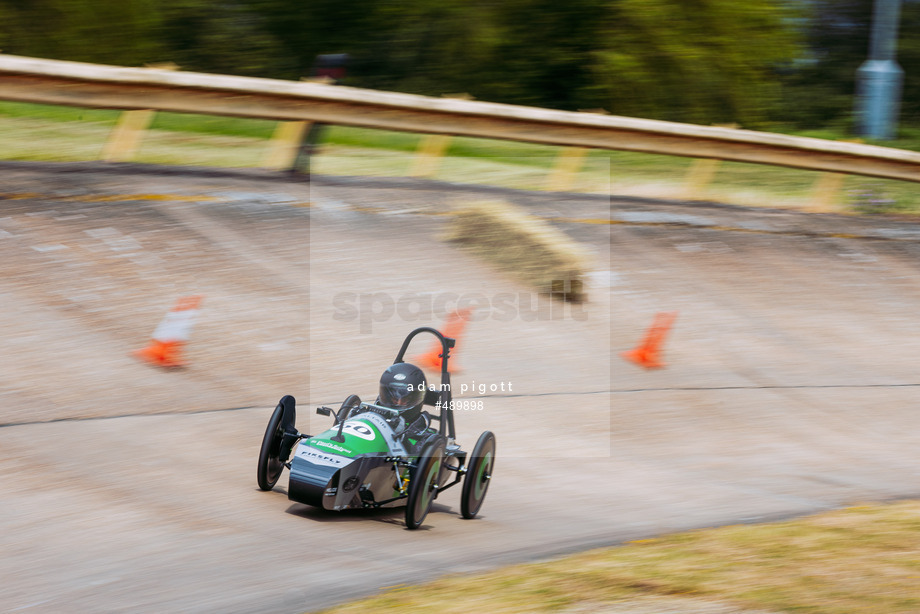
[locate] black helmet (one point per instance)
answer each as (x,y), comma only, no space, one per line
(402,386)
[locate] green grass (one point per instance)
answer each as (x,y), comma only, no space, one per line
(856,560)
(213,125)
(365,138)
(56,113)
(173,122)
(47,132)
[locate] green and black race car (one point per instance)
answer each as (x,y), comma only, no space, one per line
(381,454)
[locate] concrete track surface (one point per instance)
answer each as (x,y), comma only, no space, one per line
(791,384)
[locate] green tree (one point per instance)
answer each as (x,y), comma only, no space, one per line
(687,60)
(821,88)
(110,31)
(543,52)
(909,59)
(421,46)
(427,46)
(699,61)
(304,30)
(229,38)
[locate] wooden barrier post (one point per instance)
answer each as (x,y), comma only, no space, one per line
(428,156)
(565,169)
(126,137)
(699,177)
(285,145)
(826,193)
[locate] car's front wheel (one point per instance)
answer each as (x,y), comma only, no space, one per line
(423,484)
(280,436)
(478,475)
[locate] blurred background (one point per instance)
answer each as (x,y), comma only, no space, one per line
(788,66)
(763,64)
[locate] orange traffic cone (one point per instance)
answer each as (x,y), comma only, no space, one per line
(647,353)
(170,336)
(453,328)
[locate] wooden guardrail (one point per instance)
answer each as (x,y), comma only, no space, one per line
(92,85)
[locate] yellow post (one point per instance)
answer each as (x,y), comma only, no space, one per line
(125,138)
(566,167)
(284,145)
(428,156)
(699,177)
(826,192)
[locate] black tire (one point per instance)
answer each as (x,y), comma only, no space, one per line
(423,485)
(276,444)
(478,475)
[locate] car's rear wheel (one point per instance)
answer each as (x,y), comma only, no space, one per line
(423,485)
(478,475)
(276,443)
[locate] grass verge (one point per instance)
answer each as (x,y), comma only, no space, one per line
(860,559)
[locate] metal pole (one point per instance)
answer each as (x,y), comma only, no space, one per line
(879,79)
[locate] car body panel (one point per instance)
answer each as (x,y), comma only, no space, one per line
(339,475)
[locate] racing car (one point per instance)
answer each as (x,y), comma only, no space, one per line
(381,454)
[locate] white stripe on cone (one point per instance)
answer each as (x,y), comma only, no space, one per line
(170,336)
(177,325)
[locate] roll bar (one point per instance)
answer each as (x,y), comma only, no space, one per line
(446,421)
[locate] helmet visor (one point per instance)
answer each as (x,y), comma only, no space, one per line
(398,395)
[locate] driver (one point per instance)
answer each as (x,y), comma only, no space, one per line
(403,387)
